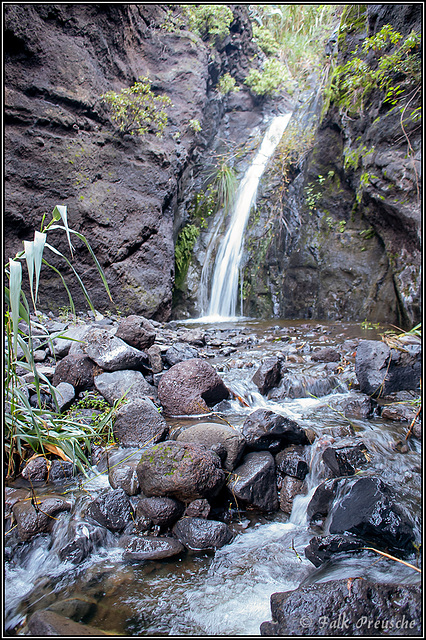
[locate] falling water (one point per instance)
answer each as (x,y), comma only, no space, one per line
(224,292)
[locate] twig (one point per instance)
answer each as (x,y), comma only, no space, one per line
(387,555)
(412,423)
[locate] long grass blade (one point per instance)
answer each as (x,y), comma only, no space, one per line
(62,210)
(29,258)
(15,282)
(39,243)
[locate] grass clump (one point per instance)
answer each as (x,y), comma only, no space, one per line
(34,425)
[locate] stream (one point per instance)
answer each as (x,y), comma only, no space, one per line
(226,592)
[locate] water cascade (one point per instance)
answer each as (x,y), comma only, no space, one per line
(224,291)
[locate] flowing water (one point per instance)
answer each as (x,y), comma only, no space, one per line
(224,288)
(226,592)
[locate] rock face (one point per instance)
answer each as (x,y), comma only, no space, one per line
(121,191)
(334,609)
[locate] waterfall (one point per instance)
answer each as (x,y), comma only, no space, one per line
(224,290)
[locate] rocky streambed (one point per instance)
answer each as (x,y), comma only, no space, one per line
(257,470)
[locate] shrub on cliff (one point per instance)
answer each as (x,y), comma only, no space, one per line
(136,109)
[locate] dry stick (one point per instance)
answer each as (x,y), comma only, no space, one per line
(412,423)
(387,555)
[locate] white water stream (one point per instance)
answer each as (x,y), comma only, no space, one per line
(224,290)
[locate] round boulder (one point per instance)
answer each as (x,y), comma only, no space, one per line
(136,331)
(198,533)
(190,387)
(139,423)
(210,434)
(161,511)
(179,470)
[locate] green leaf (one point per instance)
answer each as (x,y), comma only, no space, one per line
(15,282)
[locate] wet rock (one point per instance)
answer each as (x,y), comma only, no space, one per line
(369,511)
(254,481)
(179,353)
(77,370)
(323,548)
(124,476)
(161,511)
(180,470)
(266,430)
(111,509)
(112,353)
(113,386)
(138,423)
(136,331)
(196,337)
(198,509)
(36,469)
(65,395)
(321,501)
(50,623)
(399,412)
(290,488)
(40,519)
(306,385)
(77,609)
(268,374)
(143,548)
(381,370)
(198,533)
(328,354)
(60,470)
(345,608)
(155,359)
(211,434)
(345,461)
(292,462)
(190,387)
(81,539)
(359,407)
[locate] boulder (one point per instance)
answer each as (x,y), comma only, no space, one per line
(111,509)
(40,519)
(72,339)
(112,353)
(211,434)
(266,430)
(268,374)
(254,481)
(323,548)
(124,476)
(321,501)
(161,511)
(199,534)
(180,470)
(179,353)
(198,509)
(141,548)
(346,608)
(136,331)
(77,370)
(319,383)
(292,462)
(381,370)
(36,469)
(290,488)
(114,385)
(360,406)
(139,423)
(370,511)
(345,461)
(60,471)
(49,623)
(81,539)
(190,387)
(155,358)
(327,354)
(65,395)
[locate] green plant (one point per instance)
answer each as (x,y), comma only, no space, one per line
(210,20)
(266,82)
(195,125)
(224,180)
(227,84)
(183,251)
(38,429)
(265,40)
(136,109)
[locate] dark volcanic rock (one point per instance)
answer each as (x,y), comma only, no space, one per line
(78,370)
(49,623)
(111,509)
(180,352)
(136,331)
(143,548)
(139,423)
(190,387)
(31,521)
(179,470)
(320,502)
(369,511)
(198,533)
(254,481)
(266,430)
(161,511)
(114,385)
(344,461)
(292,462)
(36,469)
(268,374)
(81,539)
(211,434)
(322,548)
(290,488)
(340,608)
(381,370)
